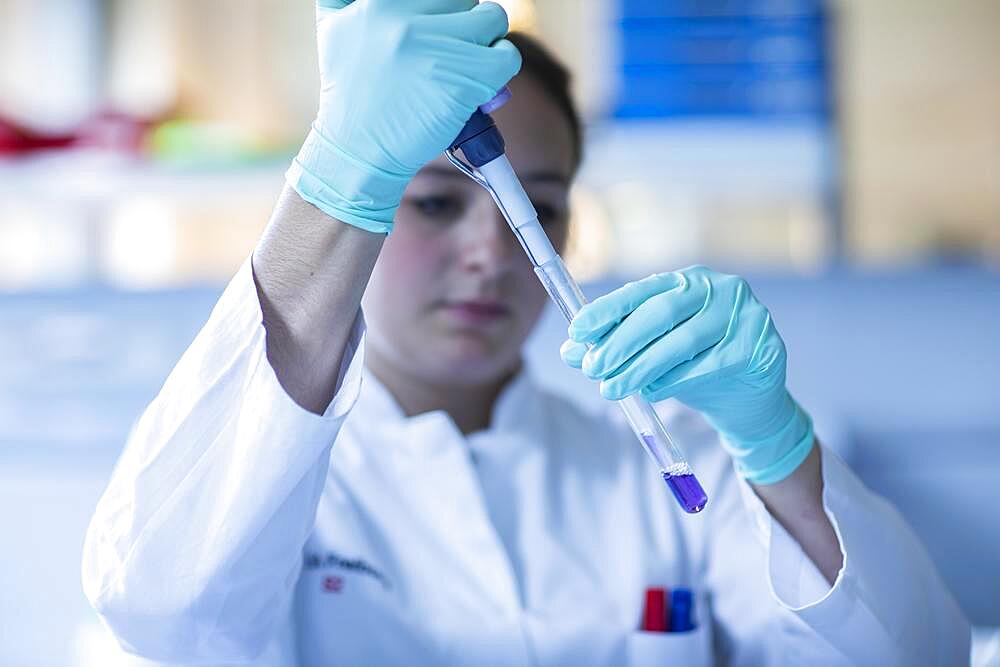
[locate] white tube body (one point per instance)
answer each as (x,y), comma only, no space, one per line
(514,203)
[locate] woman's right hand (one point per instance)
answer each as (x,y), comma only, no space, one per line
(400,78)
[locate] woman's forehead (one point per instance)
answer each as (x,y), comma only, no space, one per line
(535,130)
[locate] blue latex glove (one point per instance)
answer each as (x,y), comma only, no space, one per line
(703,338)
(399,80)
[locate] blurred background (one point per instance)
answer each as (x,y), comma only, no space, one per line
(844,156)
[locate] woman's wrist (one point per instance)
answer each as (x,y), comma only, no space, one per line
(796,502)
(344,187)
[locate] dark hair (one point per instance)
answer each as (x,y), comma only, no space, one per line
(540,64)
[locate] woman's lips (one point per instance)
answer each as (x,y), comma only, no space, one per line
(476,312)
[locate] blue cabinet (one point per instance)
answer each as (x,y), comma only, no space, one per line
(723,59)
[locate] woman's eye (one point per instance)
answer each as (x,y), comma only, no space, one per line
(546,212)
(438,206)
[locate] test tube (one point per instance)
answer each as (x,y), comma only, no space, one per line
(499,178)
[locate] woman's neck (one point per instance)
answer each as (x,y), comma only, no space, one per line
(470,406)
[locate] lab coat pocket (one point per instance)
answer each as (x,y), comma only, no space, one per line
(663,649)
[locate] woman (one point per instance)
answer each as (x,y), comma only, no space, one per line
(272,505)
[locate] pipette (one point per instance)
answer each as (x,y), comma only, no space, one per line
(485,163)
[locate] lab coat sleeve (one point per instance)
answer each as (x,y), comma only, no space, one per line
(887,606)
(195,546)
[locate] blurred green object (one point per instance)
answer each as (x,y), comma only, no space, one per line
(192,143)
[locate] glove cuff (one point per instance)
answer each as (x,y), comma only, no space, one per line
(345,187)
(774,458)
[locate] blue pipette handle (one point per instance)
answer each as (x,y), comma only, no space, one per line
(488,144)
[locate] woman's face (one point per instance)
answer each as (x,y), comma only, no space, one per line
(453,296)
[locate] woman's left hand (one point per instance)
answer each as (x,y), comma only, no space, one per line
(703,338)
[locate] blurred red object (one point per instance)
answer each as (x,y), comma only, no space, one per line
(115,131)
(15,140)
(655,612)
(107,130)
(9,139)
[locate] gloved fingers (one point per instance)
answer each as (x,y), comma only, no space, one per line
(483,24)
(682,344)
(493,66)
(702,366)
(750,347)
(600,315)
(653,318)
(572,353)
(429,6)
(508,63)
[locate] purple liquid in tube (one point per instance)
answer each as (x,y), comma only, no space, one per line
(687,490)
(683,484)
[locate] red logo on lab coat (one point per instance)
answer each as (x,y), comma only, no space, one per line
(333,584)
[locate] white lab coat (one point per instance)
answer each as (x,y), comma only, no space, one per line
(239,526)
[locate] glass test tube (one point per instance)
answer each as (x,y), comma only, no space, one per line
(513,202)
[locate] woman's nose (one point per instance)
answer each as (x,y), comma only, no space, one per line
(488,244)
